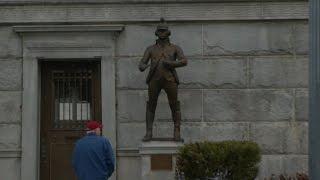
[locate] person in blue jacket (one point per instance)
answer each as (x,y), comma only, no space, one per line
(93,157)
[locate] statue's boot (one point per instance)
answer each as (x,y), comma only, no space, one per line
(177,124)
(149,123)
(176,116)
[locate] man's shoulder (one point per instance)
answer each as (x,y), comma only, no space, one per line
(81,139)
(88,138)
(79,142)
(102,138)
(105,139)
(93,139)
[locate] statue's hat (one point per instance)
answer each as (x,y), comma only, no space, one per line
(162,25)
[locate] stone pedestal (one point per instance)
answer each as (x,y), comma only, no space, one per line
(158,159)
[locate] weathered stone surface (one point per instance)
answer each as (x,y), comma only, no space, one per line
(10,168)
(248,105)
(196,131)
(163,129)
(297,138)
(270,164)
(159,175)
(10,44)
(136,38)
(225,131)
(128,74)
(273,138)
(295,163)
(189,111)
(277,72)
(281,137)
(132,105)
(302,104)
(130,134)
(10,75)
(199,73)
(191,132)
(129,168)
(282,164)
(85,41)
(301,37)
(248,38)
(10,103)
(188,37)
(214,73)
(150,12)
(270,136)
(10,136)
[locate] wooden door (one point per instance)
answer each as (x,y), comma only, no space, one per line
(70,95)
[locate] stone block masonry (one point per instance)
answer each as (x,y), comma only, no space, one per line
(10,75)
(244,81)
(247,77)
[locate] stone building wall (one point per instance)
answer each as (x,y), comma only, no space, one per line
(10,103)
(247,76)
(244,81)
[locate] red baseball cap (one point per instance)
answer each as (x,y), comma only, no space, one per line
(91,125)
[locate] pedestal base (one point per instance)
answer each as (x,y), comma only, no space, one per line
(158,159)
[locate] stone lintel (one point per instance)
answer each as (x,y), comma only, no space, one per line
(68,28)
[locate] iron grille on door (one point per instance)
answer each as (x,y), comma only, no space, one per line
(73,98)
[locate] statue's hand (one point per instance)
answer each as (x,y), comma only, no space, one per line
(167,64)
(143,67)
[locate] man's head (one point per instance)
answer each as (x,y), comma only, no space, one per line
(94,126)
(162,31)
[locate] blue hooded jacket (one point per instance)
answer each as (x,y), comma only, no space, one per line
(93,158)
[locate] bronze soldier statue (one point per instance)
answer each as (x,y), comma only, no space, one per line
(165,57)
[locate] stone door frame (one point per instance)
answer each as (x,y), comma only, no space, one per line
(39,50)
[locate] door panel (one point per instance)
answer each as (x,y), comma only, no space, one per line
(71,93)
(60,162)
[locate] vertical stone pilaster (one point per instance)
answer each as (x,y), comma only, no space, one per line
(314,114)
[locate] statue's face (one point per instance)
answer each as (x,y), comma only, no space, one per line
(163,33)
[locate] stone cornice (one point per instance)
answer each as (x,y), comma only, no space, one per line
(115,13)
(68,28)
(42,2)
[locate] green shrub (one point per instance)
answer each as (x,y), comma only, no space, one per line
(233,160)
